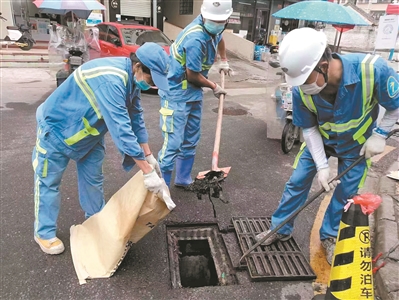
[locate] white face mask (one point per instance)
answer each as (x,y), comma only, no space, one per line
(71,24)
(312,88)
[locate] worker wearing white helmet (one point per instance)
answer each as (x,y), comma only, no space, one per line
(192,55)
(335,101)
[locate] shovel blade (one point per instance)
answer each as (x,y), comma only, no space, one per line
(226,170)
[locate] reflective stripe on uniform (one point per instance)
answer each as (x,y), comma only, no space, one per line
(86,131)
(298,156)
(80,77)
(363,180)
(166,134)
(367,67)
(175,46)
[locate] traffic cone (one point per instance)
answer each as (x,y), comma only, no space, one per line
(351,276)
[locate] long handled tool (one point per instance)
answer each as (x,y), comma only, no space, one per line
(215,154)
(211,180)
(306,204)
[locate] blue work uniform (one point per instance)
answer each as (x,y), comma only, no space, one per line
(345,126)
(99,96)
(181,106)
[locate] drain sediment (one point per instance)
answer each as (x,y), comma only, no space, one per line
(197,257)
(232,111)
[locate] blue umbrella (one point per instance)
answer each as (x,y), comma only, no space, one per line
(81,8)
(321,11)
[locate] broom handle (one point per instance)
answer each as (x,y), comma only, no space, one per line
(215,154)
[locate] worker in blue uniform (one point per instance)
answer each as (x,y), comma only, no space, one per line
(102,95)
(192,55)
(336,101)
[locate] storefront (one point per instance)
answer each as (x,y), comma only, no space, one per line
(250,19)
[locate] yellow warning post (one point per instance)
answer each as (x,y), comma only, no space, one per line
(351,274)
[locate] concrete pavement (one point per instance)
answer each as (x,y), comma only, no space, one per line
(254,187)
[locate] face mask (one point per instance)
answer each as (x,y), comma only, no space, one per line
(312,88)
(213,27)
(142,84)
(70,24)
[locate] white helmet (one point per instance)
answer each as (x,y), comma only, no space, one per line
(299,53)
(217,10)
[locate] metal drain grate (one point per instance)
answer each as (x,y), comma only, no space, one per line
(178,236)
(279,261)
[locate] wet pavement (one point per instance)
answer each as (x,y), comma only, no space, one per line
(253,188)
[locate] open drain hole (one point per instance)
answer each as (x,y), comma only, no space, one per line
(232,111)
(196,264)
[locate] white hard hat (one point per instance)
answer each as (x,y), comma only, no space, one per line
(217,10)
(299,53)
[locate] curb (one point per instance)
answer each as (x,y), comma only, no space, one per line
(387,235)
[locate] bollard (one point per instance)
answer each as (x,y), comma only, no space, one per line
(351,274)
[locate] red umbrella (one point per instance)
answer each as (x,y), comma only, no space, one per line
(341,29)
(392,9)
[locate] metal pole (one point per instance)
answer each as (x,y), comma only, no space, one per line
(254,20)
(154,13)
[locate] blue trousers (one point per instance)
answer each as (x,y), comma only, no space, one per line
(49,164)
(180,123)
(296,192)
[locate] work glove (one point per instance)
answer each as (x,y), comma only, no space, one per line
(374,145)
(154,163)
(324,176)
(152,182)
(224,66)
(217,91)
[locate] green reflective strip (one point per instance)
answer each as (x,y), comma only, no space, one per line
(86,131)
(359,134)
(299,155)
(45,167)
(206,67)
(100,71)
(39,148)
(87,91)
(37,202)
(166,136)
(184,84)
(323,133)
(308,101)
(363,180)
(175,45)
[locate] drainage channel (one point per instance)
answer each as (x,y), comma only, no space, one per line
(279,261)
(198,257)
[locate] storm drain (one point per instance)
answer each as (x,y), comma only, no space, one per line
(279,261)
(232,111)
(198,257)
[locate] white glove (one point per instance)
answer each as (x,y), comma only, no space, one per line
(324,176)
(154,163)
(374,145)
(224,66)
(217,91)
(152,182)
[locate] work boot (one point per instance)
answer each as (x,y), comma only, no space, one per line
(167,176)
(183,171)
(273,238)
(329,245)
(51,246)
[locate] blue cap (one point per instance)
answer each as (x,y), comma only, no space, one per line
(155,58)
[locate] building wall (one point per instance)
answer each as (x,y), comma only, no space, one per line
(171,12)
(6,12)
(360,38)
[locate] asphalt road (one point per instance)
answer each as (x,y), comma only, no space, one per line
(253,188)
